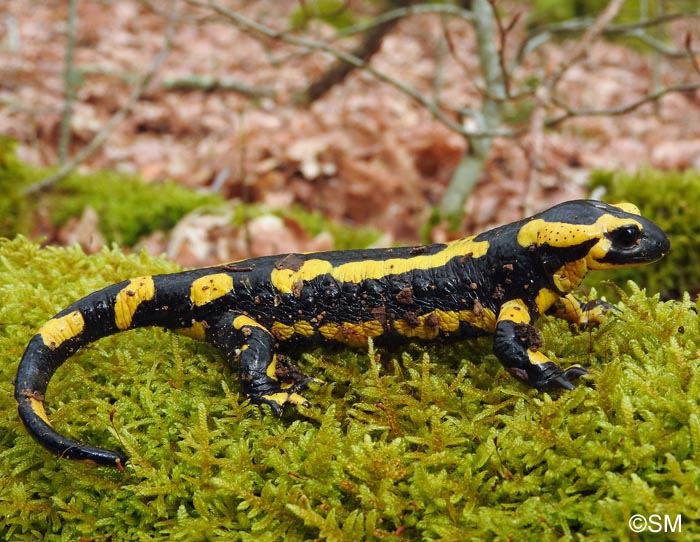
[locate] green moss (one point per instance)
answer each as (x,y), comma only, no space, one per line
(128,208)
(332,12)
(672,200)
(14,175)
(550,11)
(423,443)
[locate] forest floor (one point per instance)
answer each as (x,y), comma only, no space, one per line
(365,153)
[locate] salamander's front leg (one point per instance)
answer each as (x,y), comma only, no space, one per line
(265,377)
(517,343)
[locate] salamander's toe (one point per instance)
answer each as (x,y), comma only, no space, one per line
(551,377)
(277,401)
(575,371)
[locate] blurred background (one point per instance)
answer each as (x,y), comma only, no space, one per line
(213,131)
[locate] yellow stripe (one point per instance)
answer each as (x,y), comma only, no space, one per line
(271,370)
(562,234)
(210,287)
(130,297)
(285,279)
(352,334)
(58,330)
(38,409)
(241,321)
(429,325)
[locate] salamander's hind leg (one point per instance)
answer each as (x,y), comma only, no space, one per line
(265,377)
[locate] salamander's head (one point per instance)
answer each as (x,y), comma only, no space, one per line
(601,235)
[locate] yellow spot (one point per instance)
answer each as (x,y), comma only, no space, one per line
(630,208)
(130,297)
(58,330)
(570,275)
(537,358)
(282,398)
(329,331)
(304,327)
(413,329)
(514,311)
(568,308)
(545,299)
(210,287)
(242,321)
(271,370)
(279,398)
(38,409)
(196,331)
(281,331)
(485,320)
(297,399)
(429,325)
(352,334)
(285,279)
(527,235)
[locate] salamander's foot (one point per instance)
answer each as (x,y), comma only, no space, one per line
(276,401)
(289,381)
(594,312)
(549,376)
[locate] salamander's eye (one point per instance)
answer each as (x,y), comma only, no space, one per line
(625,236)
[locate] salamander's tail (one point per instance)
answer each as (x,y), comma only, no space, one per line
(35,370)
(100,314)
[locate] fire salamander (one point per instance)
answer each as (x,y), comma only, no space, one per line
(497,282)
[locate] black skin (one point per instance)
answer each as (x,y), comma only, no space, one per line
(402,306)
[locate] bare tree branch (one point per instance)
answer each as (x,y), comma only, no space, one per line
(545,33)
(502,36)
(336,74)
(68,83)
(253,26)
(582,46)
(489,118)
(477,130)
(403,12)
(614,111)
(116,119)
(691,53)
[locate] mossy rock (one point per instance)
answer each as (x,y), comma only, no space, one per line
(312,222)
(671,199)
(128,208)
(421,443)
